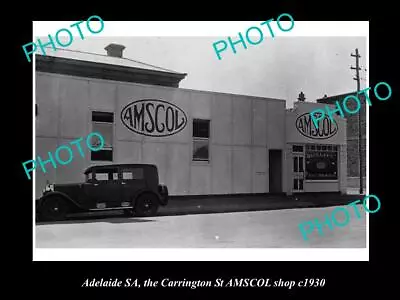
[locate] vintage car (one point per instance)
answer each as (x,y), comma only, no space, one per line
(133,188)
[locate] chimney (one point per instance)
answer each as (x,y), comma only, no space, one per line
(114,50)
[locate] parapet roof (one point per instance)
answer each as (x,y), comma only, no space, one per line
(103,59)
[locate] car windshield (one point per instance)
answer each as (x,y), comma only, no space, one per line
(88,176)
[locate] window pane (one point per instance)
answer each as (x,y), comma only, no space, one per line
(295,185)
(90,176)
(133,174)
(301,169)
(295,164)
(297,148)
(101,176)
(300,184)
(106,131)
(115,176)
(200,150)
(137,173)
(127,175)
(321,165)
(102,117)
(102,155)
(201,128)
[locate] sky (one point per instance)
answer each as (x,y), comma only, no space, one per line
(276,68)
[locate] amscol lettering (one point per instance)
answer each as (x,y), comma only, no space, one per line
(151,117)
(307,128)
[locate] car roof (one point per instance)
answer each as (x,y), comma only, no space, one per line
(99,167)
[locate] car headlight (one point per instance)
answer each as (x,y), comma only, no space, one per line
(49,188)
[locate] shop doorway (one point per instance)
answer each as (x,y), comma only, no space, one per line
(298,173)
(275,171)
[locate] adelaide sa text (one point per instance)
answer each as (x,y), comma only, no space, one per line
(255,31)
(328,219)
(70,153)
(319,114)
(57,38)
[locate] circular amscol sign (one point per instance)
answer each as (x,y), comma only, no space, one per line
(326,127)
(151,117)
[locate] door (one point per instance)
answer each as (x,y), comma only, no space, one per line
(298,173)
(275,171)
(105,188)
(132,181)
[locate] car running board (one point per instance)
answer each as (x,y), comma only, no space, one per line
(111,208)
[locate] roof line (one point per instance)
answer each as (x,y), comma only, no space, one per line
(137,61)
(339,95)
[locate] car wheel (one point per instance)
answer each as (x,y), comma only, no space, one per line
(146,205)
(54,209)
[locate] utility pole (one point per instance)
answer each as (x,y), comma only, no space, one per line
(357,78)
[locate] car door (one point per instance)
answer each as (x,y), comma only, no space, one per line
(132,180)
(105,191)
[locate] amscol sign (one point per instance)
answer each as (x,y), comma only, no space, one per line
(327,128)
(151,117)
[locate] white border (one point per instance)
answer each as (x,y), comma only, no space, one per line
(217,29)
(205,28)
(204,254)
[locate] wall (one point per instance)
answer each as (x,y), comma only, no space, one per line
(353,160)
(243,129)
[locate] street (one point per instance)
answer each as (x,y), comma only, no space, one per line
(260,229)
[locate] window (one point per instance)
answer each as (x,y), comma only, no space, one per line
(301,184)
(101,176)
(89,177)
(133,174)
(103,123)
(297,148)
(298,184)
(322,163)
(301,168)
(106,175)
(298,164)
(201,140)
(138,173)
(126,175)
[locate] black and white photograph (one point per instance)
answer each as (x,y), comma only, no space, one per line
(192,142)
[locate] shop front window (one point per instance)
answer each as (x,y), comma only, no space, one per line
(322,163)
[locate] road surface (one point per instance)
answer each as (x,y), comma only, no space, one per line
(261,229)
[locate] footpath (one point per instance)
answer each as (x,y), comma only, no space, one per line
(208,205)
(201,205)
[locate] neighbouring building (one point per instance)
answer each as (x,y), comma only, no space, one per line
(203,143)
(353,157)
